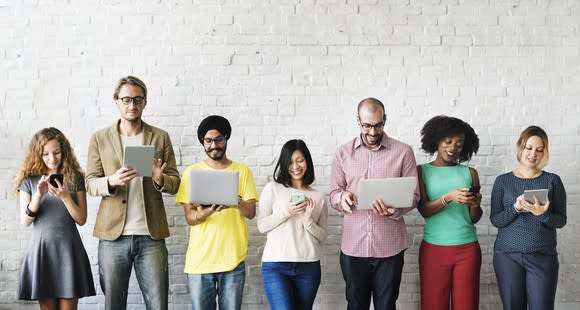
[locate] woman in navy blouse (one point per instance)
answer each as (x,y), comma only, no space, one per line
(525,258)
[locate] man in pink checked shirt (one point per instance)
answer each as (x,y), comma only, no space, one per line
(373,241)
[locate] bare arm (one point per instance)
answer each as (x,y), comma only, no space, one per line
(428,207)
(247,208)
(33,204)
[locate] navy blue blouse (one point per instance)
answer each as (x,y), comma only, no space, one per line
(524,232)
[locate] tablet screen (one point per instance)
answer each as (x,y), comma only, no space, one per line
(140,158)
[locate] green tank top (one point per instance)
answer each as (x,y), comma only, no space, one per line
(452,225)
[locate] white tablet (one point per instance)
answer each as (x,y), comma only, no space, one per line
(541,194)
(396,192)
(207,187)
(140,158)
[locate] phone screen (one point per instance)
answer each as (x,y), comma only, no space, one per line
(53,177)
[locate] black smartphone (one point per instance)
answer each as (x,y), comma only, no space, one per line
(53,177)
(474,189)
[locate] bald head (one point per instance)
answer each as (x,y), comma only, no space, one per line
(371,105)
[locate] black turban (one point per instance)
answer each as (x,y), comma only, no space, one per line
(216,122)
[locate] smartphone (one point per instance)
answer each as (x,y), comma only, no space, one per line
(541,194)
(298,197)
(474,189)
(53,177)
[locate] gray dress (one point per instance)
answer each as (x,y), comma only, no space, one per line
(56,264)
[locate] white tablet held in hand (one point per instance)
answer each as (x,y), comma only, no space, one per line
(541,195)
(396,192)
(140,158)
(210,187)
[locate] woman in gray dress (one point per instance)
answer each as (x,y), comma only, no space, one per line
(56,269)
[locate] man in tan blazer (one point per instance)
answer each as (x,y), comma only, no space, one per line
(131,222)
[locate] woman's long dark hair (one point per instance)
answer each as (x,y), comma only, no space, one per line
(281,174)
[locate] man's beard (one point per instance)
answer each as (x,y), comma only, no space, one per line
(219,155)
(378,139)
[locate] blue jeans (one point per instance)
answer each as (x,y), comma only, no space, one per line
(149,258)
(526,281)
(291,285)
(364,276)
(227,286)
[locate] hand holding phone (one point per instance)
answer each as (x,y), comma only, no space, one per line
(57,176)
(298,197)
(474,189)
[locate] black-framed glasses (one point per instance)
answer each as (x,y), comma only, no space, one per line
(367,126)
(135,100)
(217,140)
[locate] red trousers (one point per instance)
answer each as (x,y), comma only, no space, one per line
(449,274)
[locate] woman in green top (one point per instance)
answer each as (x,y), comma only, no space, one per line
(449,256)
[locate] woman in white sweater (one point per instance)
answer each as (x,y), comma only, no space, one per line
(294,216)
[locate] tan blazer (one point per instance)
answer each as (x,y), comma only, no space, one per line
(104,158)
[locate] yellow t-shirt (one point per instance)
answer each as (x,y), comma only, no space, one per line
(220,243)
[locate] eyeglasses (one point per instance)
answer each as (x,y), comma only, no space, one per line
(136,100)
(217,140)
(376,126)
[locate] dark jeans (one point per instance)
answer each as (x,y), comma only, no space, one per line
(366,275)
(148,257)
(526,280)
(291,285)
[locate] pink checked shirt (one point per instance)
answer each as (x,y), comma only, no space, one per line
(363,233)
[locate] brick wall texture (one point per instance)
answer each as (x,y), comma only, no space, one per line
(281,69)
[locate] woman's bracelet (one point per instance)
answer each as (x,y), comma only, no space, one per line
(445,203)
(29,212)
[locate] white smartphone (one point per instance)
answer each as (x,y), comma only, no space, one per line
(541,195)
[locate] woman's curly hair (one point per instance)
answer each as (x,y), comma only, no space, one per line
(33,165)
(440,127)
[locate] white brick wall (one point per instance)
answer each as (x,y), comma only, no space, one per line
(294,68)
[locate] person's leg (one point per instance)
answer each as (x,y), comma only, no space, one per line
(277,285)
(357,274)
(68,303)
(511,280)
(230,288)
(466,276)
(150,258)
(115,264)
(48,304)
(306,280)
(541,280)
(386,280)
(435,273)
(202,290)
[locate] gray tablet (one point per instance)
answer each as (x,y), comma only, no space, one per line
(140,158)
(541,195)
(207,187)
(396,192)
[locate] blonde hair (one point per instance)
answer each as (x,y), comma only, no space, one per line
(533,131)
(33,165)
(130,80)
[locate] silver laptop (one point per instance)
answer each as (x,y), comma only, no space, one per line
(140,158)
(396,192)
(207,187)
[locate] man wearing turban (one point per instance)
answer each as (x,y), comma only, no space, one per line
(218,234)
